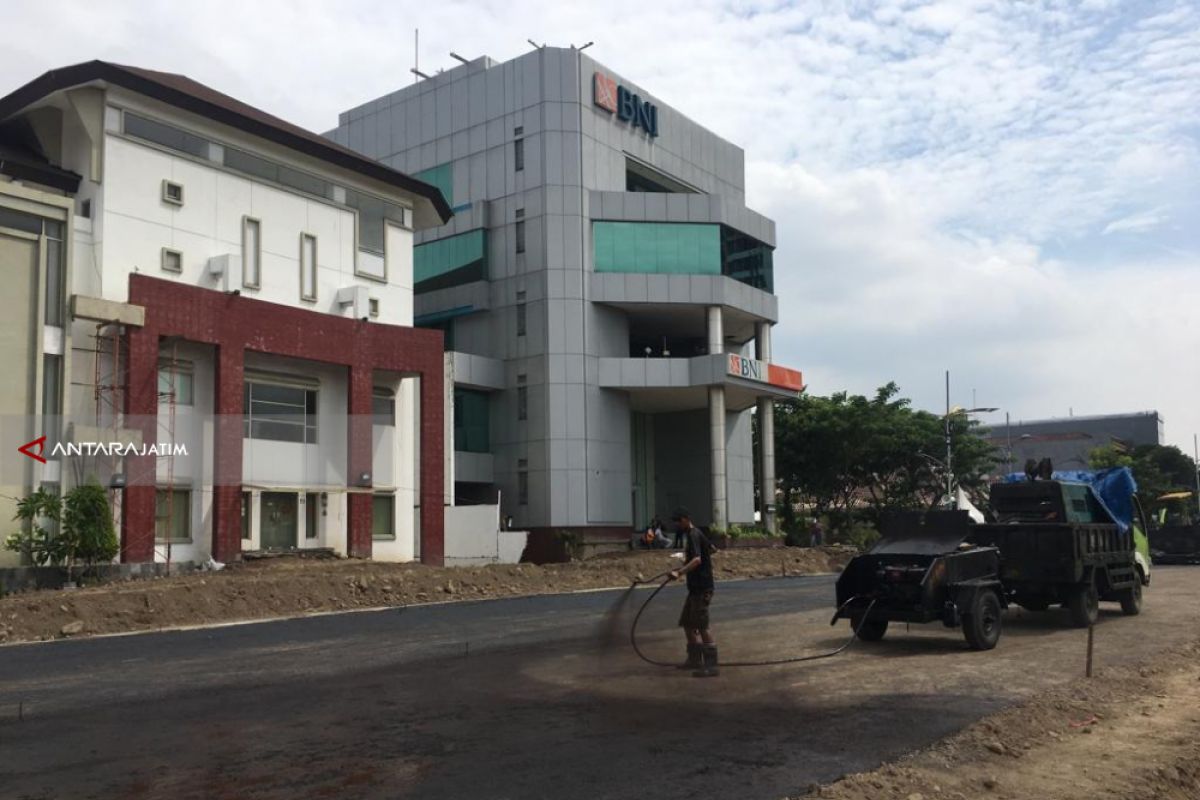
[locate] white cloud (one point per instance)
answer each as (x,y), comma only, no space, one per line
(949,178)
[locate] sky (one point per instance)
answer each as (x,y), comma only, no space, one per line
(1008,190)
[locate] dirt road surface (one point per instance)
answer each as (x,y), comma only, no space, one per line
(516,699)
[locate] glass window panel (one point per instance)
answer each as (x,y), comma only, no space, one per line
(383,407)
(304,182)
(519,155)
(251,164)
(441,176)
(20,221)
(383,516)
(166,135)
(172,515)
(312,502)
(54,282)
(179,381)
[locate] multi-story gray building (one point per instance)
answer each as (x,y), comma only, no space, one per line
(605,291)
(1069,441)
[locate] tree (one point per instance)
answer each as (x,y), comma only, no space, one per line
(1158,469)
(847,455)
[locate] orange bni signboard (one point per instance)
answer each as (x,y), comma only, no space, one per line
(787,378)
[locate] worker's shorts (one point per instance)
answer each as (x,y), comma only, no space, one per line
(695,610)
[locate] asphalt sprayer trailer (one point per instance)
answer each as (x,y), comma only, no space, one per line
(923,570)
(1075,540)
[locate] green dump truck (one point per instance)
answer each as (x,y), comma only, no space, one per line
(1074,540)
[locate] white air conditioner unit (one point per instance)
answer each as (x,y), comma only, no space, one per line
(226,270)
(358,298)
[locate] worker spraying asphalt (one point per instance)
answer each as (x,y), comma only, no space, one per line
(694,619)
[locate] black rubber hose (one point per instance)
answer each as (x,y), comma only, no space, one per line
(768,663)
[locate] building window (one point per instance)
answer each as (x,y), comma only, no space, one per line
(451,261)
(523,488)
(519,155)
(246,504)
(383,517)
(522,402)
(373,306)
(311,502)
(172,260)
(280,413)
(308,267)
(472,421)
(373,215)
(251,253)
(165,135)
(176,379)
(521,314)
(520,235)
(52,369)
(172,193)
(173,515)
(383,406)
(56,270)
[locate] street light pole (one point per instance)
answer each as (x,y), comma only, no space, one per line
(1196,462)
(949,448)
(1008,439)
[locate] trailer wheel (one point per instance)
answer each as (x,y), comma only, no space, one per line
(869,630)
(1084,603)
(981,626)
(1131,598)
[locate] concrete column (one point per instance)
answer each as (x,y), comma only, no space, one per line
(227,453)
(762,341)
(766,468)
(358,460)
(766,436)
(716,423)
(716,331)
(141,414)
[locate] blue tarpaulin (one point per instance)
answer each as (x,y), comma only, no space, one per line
(1114,488)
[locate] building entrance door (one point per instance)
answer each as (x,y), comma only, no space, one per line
(279,522)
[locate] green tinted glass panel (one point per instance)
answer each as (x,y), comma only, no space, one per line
(471,433)
(441,176)
(657,247)
(434,262)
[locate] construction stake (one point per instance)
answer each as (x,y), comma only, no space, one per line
(1091,639)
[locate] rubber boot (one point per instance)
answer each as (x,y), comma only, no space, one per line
(694,658)
(709,670)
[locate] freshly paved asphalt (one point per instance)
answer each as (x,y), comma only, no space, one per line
(515,698)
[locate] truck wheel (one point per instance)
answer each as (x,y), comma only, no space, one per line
(869,630)
(1131,598)
(981,626)
(1085,605)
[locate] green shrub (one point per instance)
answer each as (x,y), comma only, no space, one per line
(85,530)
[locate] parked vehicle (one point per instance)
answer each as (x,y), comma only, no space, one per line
(922,571)
(1076,540)
(1175,530)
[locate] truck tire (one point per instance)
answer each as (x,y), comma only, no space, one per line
(981,626)
(869,630)
(1131,598)
(1084,604)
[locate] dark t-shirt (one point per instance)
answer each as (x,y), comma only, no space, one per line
(701,578)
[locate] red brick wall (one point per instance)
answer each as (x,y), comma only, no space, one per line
(235,324)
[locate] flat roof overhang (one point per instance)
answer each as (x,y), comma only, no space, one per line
(681,384)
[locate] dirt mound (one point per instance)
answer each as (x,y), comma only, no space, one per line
(283,587)
(1127,734)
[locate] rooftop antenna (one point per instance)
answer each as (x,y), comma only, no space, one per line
(416,67)
(460,58)
(585,47)
(536,46)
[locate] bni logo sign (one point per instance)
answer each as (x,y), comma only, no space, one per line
(628,107)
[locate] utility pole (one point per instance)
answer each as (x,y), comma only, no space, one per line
(949,448)
(1008,441)
(1196,463)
